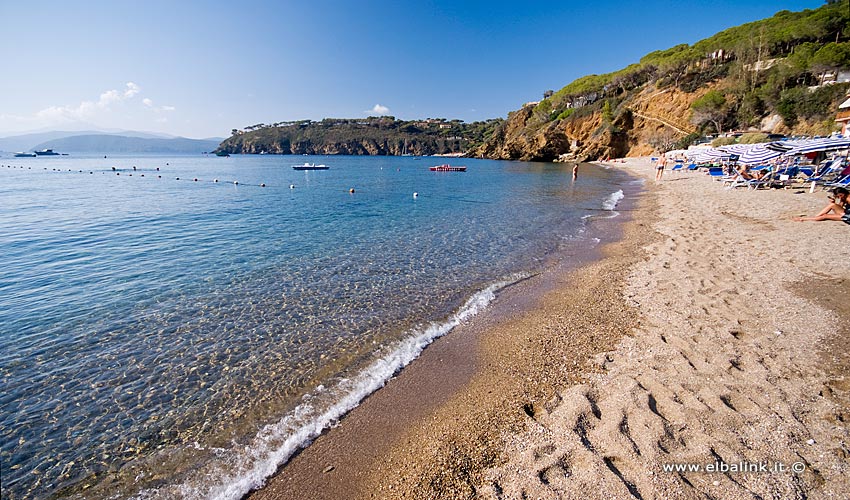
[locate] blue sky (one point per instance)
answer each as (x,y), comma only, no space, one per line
(199,69)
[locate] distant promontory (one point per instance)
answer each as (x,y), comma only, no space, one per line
(384,135)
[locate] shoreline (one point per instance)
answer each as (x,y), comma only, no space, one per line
(343,462)
(711,332)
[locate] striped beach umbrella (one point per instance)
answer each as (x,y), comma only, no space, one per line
(758,154)
(782,146)
(711,155)
(816,145)
(736,149)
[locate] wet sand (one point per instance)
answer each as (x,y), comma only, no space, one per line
(713,331)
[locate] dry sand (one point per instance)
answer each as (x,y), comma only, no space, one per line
(740,357)
(715,332)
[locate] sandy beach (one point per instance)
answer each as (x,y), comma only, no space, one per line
(710,338)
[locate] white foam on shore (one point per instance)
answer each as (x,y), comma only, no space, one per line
(608,205)
(246,467)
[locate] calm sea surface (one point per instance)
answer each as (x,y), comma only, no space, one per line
(165,338)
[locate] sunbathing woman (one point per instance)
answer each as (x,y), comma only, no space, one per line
(837,209)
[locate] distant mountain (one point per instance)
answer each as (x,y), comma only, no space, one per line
(102,143)
(34,140)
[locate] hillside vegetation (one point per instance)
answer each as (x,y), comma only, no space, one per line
(775,75)
(369,136)
(765,75)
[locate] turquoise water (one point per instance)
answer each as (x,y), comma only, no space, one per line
(169,338)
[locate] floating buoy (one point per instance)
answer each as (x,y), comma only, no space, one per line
(141,175)
(351,190)
(195,179)
(159,177)
(292,186)
(262,185)
(236,182)
(416,195)
(215,180)
(178,178)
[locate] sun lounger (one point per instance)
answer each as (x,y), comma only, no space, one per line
(843,182)
(716,173)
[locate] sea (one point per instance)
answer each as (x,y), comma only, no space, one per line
(180,326)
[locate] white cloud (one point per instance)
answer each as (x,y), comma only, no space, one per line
(379,110)
(88,109)
(132,89)
(123,107)
(149,103)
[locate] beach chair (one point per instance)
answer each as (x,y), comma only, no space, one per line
(843,182)
(830,173)
(677,168)
(751,184)
(692,167)
(716,173)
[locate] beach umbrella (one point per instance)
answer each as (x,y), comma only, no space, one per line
(757,154)
(736,148)
(817,145)
(711,156)
(782,146)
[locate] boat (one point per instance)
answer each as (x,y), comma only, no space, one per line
(24,155)
(222,153)
(310,166)
(47,152)
(448,168)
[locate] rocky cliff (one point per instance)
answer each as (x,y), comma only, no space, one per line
(777,75)
(589,134)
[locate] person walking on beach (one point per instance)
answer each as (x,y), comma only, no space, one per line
(837,209)
(659,166)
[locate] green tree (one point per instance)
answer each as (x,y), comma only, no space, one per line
(607,115)
(830,57)
(710,108)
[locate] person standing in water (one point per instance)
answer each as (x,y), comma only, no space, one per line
(575,172)
(659,167)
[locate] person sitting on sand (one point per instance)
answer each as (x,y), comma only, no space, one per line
(837,209)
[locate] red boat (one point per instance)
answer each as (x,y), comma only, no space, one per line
(448,168)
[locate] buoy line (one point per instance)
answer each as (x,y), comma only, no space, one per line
(129,173)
